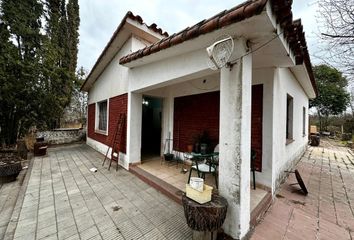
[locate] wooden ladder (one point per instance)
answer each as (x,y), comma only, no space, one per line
(116,141)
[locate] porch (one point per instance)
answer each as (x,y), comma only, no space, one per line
(171,178)
(236,120)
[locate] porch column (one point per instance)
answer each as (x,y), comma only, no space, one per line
(235,145)
(134,119)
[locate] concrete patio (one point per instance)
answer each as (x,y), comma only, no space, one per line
(327,211)
(65,200)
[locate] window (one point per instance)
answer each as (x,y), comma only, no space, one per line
(289,118)
(101,116)
(303,121)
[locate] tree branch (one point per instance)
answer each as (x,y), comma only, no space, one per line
(336,36)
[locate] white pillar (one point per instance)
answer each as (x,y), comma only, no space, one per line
(235,145)
(134,121)
(168,108)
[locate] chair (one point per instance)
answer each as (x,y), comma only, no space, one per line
(204,164)
(216,155)
(253,168)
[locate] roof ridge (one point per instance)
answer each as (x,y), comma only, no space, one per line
(222,19)
(152,26)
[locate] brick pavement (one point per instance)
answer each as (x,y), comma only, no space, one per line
(327,212)
(64,200)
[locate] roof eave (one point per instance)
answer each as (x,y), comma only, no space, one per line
(155,32)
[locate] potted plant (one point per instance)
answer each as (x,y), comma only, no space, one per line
(196,140)
(205,142)
(190,148)
(168,156)
(202,142)
(10,165)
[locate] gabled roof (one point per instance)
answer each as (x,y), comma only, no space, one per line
(129,15)
(292,31)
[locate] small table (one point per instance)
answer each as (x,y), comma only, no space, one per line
(192,156)
(210,158)
(205,219)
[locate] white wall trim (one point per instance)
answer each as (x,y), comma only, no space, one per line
(102,148)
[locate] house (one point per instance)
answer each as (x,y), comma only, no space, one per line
(259,101)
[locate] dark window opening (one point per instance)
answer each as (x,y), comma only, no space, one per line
(289,117)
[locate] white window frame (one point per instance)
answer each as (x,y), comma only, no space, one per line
(97,130)
(289,130)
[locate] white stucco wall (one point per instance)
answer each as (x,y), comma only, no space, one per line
(265,76)
(114,79)
(113,82)
(286,155)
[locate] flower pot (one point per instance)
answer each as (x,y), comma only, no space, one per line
(10,167)
(203,148)
(197,147)
(168,156)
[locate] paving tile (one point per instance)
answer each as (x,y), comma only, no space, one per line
(89,233)
(46,223)
(46,232)
(73,237)
(326,212)
(128,230)
(142,223)
(51,237)
(64,200)
(112,234)
(67,232)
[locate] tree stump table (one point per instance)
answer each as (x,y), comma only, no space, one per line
(205,219)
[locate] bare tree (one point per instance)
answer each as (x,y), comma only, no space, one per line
(337,31)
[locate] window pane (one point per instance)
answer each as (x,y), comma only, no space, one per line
(289,117)
(102,116)
(303,121)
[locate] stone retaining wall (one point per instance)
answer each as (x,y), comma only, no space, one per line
(63,135)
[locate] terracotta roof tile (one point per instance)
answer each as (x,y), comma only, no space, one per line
(222,19)
(292,30)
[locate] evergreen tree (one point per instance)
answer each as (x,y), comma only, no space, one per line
(60,57)
(73,32)
(20,65)
(37,68)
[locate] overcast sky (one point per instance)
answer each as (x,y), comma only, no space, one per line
(100,18)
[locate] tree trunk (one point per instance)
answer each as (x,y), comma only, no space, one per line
(319,119)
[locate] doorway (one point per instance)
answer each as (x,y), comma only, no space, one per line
(257,124)
(151,127)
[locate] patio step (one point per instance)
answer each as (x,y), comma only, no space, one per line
(170,191)
(176,194)
(262,207)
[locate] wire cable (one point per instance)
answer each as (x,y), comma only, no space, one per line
(261,46)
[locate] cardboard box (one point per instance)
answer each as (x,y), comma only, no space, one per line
(313,129)
(197,183)
(199,197)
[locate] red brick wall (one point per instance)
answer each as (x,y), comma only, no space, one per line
(256,124)
(193,115)
(117,105)
(196,113)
